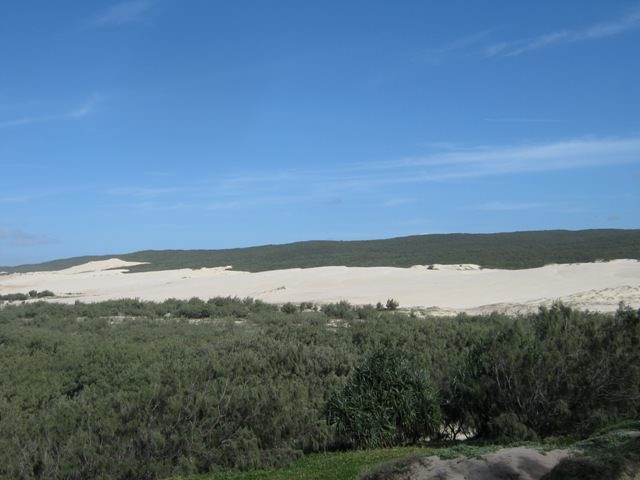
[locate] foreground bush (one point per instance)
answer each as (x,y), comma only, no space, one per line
(129,389)
(86,398)
(560,372)
(387,402)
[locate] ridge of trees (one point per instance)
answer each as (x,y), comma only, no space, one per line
(512,250)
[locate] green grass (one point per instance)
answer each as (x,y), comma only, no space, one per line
(497,250)
(621,426)
(319,466)
(613,453)
(349,465)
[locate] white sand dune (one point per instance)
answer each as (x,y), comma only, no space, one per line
(440,289)
(100,265)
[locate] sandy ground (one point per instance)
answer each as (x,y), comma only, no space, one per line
(440,289)
(506,464)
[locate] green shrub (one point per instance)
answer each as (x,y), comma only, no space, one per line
(386,402)
(13,297)
(342,309)
(558,372)
(289,308)
(392,304)
(507,427)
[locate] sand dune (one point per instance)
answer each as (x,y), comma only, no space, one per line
(440,289)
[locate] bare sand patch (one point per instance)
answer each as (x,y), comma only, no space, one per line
(506,464)
(100,265)
(437,289)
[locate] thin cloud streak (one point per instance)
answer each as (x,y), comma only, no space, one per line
(29,197)
(564,37)
(84,110)
(494,161)
(548,156)
(123,13)
(396,202)
(436,55)
(143,191)
(520,120)
(16,199)
(508,206)
(18,238)
(248,191)
(218,204)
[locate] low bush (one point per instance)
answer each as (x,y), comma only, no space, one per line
(387,402)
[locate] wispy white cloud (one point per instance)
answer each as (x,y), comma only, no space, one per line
(462,44)
(396,202)
(19,238)
(562,37)
(19,198)
(484,161)
(25,120)
(231,205)
(123,13)
(508,206)
(501,160)
(87,108)
(213,203)
(143,191)
(81,111)
(158,206)
(520,120)
(442,145)
(243,190)
(40,194)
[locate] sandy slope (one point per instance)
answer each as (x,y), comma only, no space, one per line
(506,464)
(440,289)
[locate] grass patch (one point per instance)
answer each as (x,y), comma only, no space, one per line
(617,427)
(366,464)
(319,466)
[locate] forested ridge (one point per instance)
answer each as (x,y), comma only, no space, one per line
(129,389)
(512,250)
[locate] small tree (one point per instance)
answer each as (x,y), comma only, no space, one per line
(386,402)
(392,304)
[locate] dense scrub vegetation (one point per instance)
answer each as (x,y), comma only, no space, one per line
(495,250)
(129,389)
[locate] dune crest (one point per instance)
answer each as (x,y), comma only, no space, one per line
(100,266)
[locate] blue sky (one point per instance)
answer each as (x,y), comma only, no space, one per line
(151,124)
